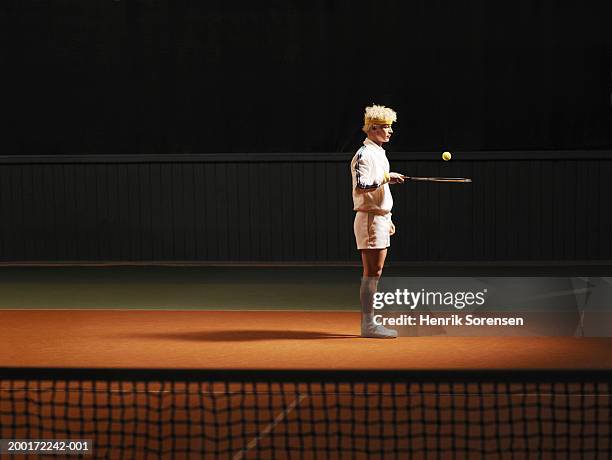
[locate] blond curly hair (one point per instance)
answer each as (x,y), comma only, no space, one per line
(378,115)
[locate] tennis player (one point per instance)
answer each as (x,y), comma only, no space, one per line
(372,202)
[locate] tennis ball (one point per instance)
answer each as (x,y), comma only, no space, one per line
(446,156)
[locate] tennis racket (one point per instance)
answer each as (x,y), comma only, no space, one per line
(437,179)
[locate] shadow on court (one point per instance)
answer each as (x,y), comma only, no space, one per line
(246,335)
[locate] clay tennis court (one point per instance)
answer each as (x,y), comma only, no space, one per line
(266,340)
(261,384)
(230,362)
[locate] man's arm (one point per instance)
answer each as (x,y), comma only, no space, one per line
(365,179)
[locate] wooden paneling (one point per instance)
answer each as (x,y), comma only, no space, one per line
(294,207)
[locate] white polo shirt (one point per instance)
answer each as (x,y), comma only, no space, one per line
(368,168)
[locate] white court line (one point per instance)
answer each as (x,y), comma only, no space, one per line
(268,429)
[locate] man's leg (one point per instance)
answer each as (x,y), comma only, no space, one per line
(373,262)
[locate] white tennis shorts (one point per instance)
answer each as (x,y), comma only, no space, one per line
(372,231)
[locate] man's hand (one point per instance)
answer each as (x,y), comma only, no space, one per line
(396,178)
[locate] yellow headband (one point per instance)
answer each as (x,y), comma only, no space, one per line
(380,121)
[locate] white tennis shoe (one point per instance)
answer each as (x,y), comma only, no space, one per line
(376,331)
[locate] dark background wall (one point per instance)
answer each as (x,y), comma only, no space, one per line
(522,206)
(188,130)
(186,76)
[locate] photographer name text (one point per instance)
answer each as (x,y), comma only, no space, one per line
(452,320)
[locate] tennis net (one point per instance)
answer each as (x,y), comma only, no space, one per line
(129,413)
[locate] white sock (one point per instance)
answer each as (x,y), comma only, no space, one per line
(369,285)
